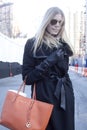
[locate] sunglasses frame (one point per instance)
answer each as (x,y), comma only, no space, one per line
(54,22)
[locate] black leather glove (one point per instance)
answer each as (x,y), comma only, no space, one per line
(54,57)
(51,60)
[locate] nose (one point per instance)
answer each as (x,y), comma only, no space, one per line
(57,24)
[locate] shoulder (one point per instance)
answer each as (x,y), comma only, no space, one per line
(29,45)
(30,42)
(67,47)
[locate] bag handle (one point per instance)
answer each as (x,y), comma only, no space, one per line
(22,87)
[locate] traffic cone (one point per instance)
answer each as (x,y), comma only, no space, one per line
(85,72)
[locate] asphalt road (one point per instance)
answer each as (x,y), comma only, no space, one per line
(80,91)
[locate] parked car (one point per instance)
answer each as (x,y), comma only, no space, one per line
(8,69)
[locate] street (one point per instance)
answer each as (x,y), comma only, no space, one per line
(80,91)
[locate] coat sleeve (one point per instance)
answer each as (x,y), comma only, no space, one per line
(29,68)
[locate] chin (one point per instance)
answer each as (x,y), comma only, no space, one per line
(55,35)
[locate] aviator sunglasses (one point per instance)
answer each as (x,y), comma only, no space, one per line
(54,22)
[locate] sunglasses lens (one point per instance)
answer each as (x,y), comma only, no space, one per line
(53,22)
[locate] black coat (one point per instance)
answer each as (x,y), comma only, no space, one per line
(48,85)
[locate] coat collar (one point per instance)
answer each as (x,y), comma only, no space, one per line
(44,51)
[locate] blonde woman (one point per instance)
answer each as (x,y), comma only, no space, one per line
(46,63)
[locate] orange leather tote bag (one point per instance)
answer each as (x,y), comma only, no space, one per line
(23,113)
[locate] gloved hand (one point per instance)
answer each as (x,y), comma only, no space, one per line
(51,60)
(54,57)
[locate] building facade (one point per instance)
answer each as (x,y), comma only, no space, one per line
(6,18)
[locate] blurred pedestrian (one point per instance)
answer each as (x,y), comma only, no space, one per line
(46,63)
(79,60)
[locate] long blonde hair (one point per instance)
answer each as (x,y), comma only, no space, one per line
(41,33)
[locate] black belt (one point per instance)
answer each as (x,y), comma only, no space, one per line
(61,91)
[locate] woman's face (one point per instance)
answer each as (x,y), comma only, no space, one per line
(54,26)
